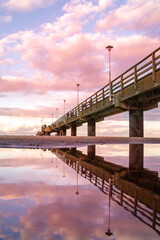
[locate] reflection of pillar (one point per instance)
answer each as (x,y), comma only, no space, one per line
(91,132)
(73,130)
(73,151)
(91,151)
(136,130)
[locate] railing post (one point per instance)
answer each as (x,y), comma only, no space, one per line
(110,92)
(135,77)
(103,95)
(96,98)
(153,67)
(122,85)
(90,103)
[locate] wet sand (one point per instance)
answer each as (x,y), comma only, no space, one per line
(68,141)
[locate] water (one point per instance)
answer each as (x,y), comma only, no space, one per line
(47,195)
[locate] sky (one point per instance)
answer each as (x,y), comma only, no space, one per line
(48,46)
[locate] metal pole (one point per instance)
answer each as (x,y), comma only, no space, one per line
(64,106)
(109,233)
(77,182)
(57,112)
(110,84)
(78,93)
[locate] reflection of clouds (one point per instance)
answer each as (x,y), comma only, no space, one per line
(152,150)
(41,206)
(42,167)
(39,211)
(51,211)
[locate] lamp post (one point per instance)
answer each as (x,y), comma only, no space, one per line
(64,106)
(77,93)
(42,121)
(52,117)
(109,47)
(57,112)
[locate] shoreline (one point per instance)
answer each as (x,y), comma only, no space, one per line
(36,142)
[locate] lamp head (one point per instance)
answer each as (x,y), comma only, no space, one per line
(109,47)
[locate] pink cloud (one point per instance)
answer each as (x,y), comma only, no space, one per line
(83,8)
(28,5)
(133,15)
(63,55)
(75,58)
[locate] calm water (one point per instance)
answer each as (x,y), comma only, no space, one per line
(50,195)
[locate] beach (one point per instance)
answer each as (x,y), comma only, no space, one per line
(8,141)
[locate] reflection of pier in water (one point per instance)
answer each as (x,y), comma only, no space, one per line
(137,192)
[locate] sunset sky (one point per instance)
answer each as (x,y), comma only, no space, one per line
(47,46)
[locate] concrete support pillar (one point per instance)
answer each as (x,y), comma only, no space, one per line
(73,130)
(136,130)
(73,133)
(91,127)
(91,150)
(63,132)
(58,133)
(47,133)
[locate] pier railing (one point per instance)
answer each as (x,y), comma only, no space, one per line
(136,202)
(149,65)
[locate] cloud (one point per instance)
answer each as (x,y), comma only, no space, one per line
(75,57)
(82,8)
(64,55)
(27,5)
(6,19)
(132,16)
(21,112)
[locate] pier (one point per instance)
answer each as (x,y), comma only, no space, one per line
(136,90)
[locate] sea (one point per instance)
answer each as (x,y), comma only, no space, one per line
(76,194)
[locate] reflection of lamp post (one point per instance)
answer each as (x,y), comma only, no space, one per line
(64,106)
(63,169)
(78,93)
(77,180)
(109,233)
(56,163)
(110,85)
